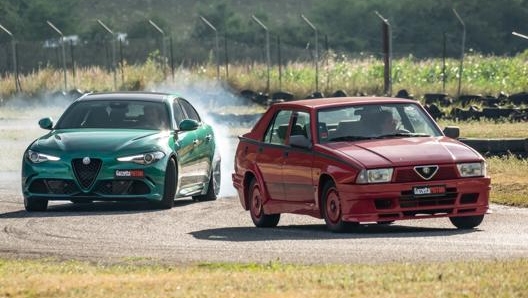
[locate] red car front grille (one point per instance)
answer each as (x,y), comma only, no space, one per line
(404,175)
(408,200)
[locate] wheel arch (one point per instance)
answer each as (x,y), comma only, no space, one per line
(174,157)
(248,177)
(323,180)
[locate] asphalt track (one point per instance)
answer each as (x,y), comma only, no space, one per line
(195,232)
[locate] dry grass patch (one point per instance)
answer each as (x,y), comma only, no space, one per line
(508,180)
(29,278)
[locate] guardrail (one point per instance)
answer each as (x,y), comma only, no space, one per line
(494,147)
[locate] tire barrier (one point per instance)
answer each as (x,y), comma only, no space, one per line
(498,147)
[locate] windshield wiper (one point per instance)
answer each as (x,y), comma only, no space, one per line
(403,134)
(349,138)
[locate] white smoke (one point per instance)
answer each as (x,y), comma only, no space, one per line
(213,98)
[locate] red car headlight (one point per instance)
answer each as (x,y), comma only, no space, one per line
(374,176)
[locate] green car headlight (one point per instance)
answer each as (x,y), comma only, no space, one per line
(374,176)
(472,169)
(37,157)
(143,159)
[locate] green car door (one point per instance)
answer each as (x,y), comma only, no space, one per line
(195,148)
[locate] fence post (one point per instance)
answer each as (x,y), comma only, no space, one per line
(461,51)
(217,49)
(63,53)
(15,66)
(387,50)
(163,56)
(113,51)
(268,59)
(316,56)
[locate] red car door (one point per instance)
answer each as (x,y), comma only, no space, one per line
(298,162)
(270,155)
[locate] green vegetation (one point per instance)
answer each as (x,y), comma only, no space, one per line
(418,25)
(47,278)
(486,75)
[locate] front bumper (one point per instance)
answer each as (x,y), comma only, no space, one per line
(396,201)
(58,181)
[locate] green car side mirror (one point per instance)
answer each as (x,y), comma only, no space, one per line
(46,123)
(188,125)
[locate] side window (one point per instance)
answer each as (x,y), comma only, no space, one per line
(189,110)
(276,132)
(301,125)
(178,112)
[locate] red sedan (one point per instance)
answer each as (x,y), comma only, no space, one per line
(358,160)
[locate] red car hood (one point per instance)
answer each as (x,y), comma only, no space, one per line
(406,151)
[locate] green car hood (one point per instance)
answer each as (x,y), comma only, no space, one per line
(99,140)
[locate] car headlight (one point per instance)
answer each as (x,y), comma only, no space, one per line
(374,176)
(472,169)
(36,157)
(143,159)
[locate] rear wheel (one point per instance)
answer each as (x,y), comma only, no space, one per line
(169,191)
(213,188)
(466,222)
(35,204)
(256,208)
(332,211)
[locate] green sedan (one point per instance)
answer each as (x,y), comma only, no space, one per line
(123,146)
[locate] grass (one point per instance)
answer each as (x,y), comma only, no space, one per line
(488,128)
(47,278)
(486,75)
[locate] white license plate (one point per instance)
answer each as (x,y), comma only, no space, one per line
(429,190)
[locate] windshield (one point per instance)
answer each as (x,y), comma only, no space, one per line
(360,122)
(115,114)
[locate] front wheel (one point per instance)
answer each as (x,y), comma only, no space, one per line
(332,210)
(169,190)
(32,205)
(466,222)
(256,208)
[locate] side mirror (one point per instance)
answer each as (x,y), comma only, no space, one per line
(188,125)
(452,132)
(300,141)
(46,123)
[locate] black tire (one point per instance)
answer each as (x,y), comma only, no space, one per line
(466,222)
(169,191)
(81,201)
(256,209)
(385,222)
(332,213)
(33,205)
(213,188)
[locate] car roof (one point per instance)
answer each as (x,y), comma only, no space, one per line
(128,95)
(341,101)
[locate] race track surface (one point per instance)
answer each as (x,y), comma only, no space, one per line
(221,231)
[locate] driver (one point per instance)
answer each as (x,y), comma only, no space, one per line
(388,125)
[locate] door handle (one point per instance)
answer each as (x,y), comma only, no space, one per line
(208,138)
